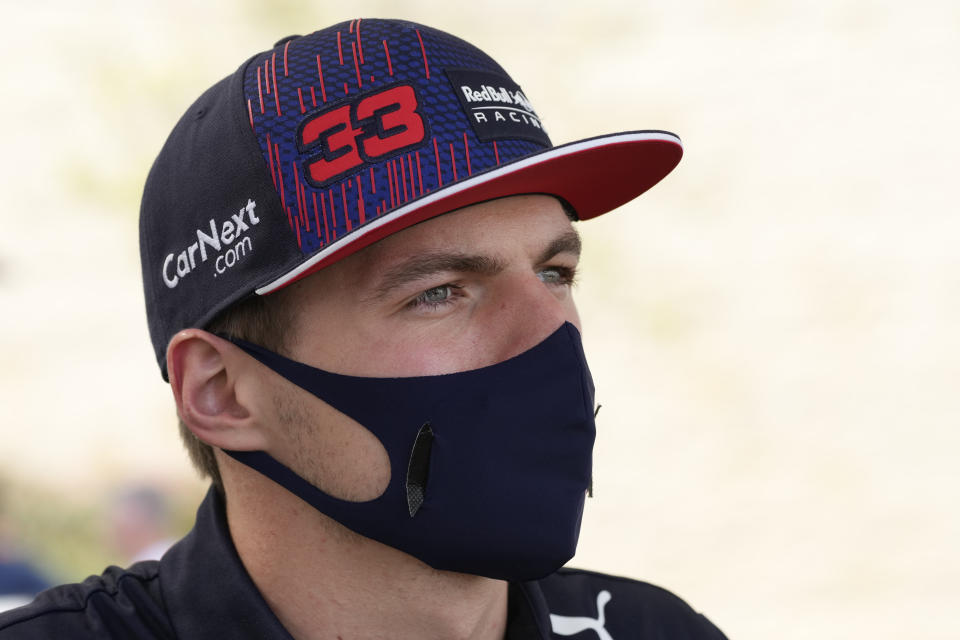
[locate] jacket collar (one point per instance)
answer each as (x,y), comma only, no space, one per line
(209,595)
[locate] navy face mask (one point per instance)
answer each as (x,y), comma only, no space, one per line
(489,467)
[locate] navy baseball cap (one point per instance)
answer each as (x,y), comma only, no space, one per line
(329,142)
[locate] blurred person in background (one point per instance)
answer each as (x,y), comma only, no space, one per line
(358,256)
(20,580)
(139,522)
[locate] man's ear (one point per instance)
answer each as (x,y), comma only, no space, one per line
(207,376)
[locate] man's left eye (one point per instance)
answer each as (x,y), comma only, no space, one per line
(556,275)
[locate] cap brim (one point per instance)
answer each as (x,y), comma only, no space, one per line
(594,176)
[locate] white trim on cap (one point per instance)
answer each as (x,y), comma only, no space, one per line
(469,183)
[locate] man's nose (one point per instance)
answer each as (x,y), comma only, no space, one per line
(526,311)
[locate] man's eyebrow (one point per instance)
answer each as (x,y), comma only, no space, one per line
(427,264)
(569,242)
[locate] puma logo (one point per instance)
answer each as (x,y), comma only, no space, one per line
(572,625)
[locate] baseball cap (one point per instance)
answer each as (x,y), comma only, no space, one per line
(329,142)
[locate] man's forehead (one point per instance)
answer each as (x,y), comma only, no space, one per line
(491,229)
(480,239)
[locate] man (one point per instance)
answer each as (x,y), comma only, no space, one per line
(357,256)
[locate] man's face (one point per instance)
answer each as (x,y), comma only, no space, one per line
(462,291)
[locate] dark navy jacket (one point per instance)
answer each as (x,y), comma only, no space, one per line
(200,591)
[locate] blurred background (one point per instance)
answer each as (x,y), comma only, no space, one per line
(773,329)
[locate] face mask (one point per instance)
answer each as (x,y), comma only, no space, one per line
(489,467)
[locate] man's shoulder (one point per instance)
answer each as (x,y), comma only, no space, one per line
(625,608)
(119,603)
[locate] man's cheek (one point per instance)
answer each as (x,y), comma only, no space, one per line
(431,352)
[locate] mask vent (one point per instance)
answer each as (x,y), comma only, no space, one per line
(418,469)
